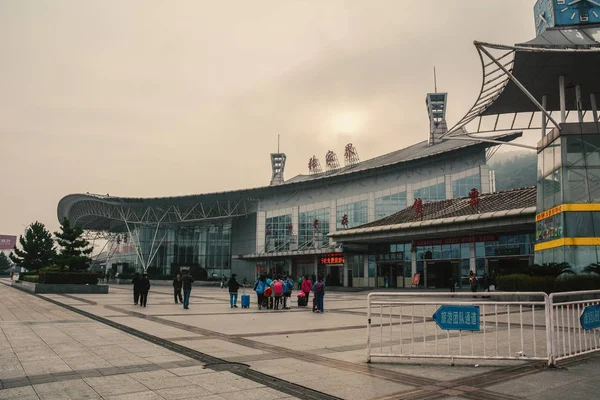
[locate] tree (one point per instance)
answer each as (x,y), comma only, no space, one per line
(4,262)
(551,269)
(74,249)
(593,268)
(37,248)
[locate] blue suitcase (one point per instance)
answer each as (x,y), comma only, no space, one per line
(245,301)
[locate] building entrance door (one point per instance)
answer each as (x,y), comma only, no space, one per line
(387,274)
(440,272)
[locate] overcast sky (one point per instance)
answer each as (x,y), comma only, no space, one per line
(161,98)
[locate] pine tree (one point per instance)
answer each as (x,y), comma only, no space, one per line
(74,249)
(37,248)
(4,262)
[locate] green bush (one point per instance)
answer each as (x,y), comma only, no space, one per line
(547,284)
(53,268)
(29,278)
(72,278)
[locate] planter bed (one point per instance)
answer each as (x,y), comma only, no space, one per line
(41,288)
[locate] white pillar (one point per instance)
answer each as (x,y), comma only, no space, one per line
(371,207)
(472,263)
(484,176)
(332,219)
(563,101)
(366,270)
(316,266)
(260,230)
(345,271)
(295,227)
(594,107)
(410,195)
(448,183)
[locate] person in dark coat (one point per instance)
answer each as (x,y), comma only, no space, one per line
(233,286)
(144,289)
(136,287)
(177,286)
(187,288)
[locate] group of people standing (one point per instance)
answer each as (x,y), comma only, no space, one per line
(141,287)
(273,292)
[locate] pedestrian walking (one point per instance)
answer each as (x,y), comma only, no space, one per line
(233,286)
(288,287)
(177,286)
(452,284)
(473,282)
(319,291)
(277,292)
(259,287)
(223,281)
(144,289)
(300,283)
(136,281)
(306,287)
(187,281)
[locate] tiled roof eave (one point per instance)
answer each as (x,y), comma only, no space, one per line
(433,222)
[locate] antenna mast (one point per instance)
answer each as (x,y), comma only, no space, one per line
(435,79)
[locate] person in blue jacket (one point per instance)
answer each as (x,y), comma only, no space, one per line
(288,286)
(259,287)
(319,291)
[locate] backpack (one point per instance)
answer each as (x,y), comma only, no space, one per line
(319,287)
(278,288)
(289,284)
(268,292)
(259,287)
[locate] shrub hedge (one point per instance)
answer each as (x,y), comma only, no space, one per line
(29,278)
(547,284)
(65,277)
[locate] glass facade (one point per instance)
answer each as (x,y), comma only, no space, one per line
(358,214)
(431,193)
(278,233)
(388,205)
(308,236)
(582,181)
(205,246)
(462,187)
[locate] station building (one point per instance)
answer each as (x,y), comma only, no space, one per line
(286,227)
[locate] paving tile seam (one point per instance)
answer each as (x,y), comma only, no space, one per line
(281,385)
(362,369)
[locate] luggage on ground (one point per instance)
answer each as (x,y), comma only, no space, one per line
(245,301)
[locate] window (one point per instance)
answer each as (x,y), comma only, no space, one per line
(308,236)
(358,214)
(388,205)
(277,233)
(431,193)
(462,187)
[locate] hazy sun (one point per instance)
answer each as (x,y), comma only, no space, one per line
(345,123)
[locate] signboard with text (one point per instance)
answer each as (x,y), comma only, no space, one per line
(329,259)
(390,257)
(457,318)
(590,317)
(456,240)
(7,242)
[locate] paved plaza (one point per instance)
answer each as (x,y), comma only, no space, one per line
(104,347)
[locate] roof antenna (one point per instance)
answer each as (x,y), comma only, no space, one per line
(278,143)
(435,80)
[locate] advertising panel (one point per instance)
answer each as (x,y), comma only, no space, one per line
(7,242)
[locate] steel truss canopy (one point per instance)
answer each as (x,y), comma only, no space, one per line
(106,213)
(521,86)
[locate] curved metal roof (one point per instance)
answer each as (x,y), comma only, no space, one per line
(109,213)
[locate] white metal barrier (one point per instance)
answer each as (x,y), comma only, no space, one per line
(401,324)
(510,325)
(569,339)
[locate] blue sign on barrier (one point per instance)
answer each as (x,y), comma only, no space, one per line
(457,318)
(590,317)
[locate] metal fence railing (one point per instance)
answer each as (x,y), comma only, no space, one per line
(492,325)
(570,313)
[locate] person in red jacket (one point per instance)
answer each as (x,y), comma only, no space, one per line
(306,287)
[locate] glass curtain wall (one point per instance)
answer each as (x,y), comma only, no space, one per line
(358,214)
(431,193)
(278,233)
(309,235)
(462,187)
(207,246)
(388,205)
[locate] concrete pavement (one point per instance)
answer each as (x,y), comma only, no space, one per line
(102,346)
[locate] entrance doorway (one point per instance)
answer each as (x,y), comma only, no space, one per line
(440,272)
(389,272)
